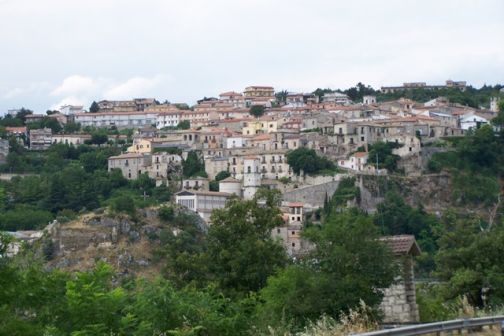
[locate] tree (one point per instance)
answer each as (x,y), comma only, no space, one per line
(99,137)
(94,108)
(223,174)
(240,247)
(193,165)
(184,125)
(124,203)
(308,161)
(383,151)
(256,110)
(347,265)
(214,185)
(470,261)
(46,122)
(24,217)
(72,127)
(23,113)
(281,97)
(320,92)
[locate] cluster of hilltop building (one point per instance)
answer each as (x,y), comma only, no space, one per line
(253,150)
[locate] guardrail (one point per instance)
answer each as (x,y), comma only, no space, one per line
(437,327)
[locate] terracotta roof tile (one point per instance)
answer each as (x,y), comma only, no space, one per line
(402,244)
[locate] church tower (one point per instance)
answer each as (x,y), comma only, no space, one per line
(251,176)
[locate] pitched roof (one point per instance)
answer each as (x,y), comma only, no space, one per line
(402,244)
(360,154)
(230,179)
(126,156)
(230,93)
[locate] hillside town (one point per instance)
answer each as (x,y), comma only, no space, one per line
(252,149)
(301,145)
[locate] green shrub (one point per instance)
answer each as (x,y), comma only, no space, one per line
(166,213)
(124,204)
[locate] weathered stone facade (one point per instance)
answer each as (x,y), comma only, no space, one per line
(399,301)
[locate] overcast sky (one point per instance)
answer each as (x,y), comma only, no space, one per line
(75,51)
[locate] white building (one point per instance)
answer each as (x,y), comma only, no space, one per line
(494,104)
(167,119)
(202,202)
(118,119)
(231,185)
(235,142)
(368,100)
(336,98)
(471,121)
(71,109)
(355,162)
(251,176)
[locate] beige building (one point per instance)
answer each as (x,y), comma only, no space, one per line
(71,139)
(141,146)
(137,104)
(132,165)
(259,95)
(196,183)
(233,98)
(164,167)
(290,233)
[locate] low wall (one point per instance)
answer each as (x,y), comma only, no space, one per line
(313,196)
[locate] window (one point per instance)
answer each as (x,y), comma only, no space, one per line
(278,230)
(293,244)
(410,149)
(293,232)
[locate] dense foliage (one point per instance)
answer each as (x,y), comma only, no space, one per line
(307,160)
(257,110)
(193,165)
(470,96)
(67,178)
(381,153)
(331,279)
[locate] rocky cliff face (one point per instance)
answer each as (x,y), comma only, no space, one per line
(433,191)
(123,242)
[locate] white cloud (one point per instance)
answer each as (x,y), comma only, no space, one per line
(134,87)
(69,101)
(13,93)
(74,85)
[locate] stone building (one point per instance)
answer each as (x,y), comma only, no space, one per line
(399,301)
(4,150)
(40,139)
(131,164)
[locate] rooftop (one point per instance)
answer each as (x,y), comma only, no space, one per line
(402,244)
